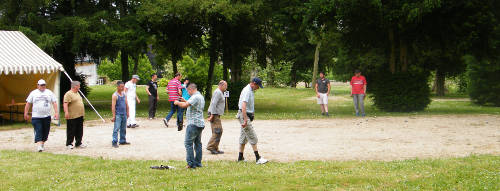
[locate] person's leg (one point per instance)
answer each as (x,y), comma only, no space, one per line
(211,142)
(243,139)
(78,131)
(325,103)
(180,114)
(37,129)
(116,128)
(151,106)
(123,128)
(46,129)
(198,147)
(362,104)
(70,135)
(131,110)
(173,108)
(188,144)
(218,133)
(355,100)
(155,104)
(320,103)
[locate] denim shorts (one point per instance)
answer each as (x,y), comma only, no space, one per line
(42,128)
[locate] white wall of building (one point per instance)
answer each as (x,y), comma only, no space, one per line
(89,70)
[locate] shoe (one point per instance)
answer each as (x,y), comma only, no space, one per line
(150,118)
(179,127)
(128,126)
(115,145)
(214,152)
(357,114)
(322,113)
(135,125)
(362,115)
(69,146)
(242,160)
(165,122)
(81,146)
(39,148)
(43,147)
(125,143)
(326,114)
(262,161)
(220,152)
(190,167)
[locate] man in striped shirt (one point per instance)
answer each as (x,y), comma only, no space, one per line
(174,90)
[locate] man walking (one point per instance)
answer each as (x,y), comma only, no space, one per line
(74,112)
(174,90)
(195,105)
(245,116)
(152,90)
(358,92)
(120,110)
(41,99)
(130,88)
(322,92)
(215,110)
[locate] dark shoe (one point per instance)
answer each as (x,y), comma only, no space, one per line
(179,127)
(241,160)
(322,113)
(220,152)
(214,152)
(326,114)
(128,126)
(165,122)
(115,145)
(125,143)
(161,167)
(135,125)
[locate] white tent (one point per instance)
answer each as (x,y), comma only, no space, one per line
(22,64)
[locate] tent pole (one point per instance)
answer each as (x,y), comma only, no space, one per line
(85,97)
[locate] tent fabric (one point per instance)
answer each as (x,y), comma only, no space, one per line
(18,55)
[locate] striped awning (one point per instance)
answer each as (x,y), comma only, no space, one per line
(18,55)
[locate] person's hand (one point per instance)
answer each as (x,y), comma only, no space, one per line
(244,124)
(56,116)
(113,119)
(157,97)
(26,117)
(176,102)
(364,96)
(182,99)
(66,115)
(317,95)
(138,100)
(210,118)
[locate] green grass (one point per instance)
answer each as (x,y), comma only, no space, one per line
(45,171)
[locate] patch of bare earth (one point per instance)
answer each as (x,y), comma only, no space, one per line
(370,138)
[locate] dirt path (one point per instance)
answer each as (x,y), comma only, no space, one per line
(381,138)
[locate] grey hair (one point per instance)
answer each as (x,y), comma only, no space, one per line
(222,82)
(192,86)
(75,83)
(119,83)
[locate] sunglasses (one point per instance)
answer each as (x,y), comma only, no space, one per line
(41,84)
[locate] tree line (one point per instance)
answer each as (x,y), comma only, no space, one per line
(389,40)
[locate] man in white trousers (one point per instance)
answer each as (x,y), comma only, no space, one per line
(130,88)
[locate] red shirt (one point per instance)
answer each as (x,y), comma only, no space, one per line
(173,88)
(357,84)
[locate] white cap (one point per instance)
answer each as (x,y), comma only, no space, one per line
(135,76)
(41,82)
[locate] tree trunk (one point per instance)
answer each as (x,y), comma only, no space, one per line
(392,59)
(226,60)
(270,74)
(403,55)
(316,61)
(175,58)
(124,62)
(293,76)
(136,63)
(213,59)
(439,83)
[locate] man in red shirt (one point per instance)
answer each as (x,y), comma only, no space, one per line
(358,92)
(174,91)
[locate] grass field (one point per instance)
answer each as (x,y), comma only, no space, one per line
(45,171)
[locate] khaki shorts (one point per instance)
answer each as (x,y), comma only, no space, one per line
(323,98)
(247,134)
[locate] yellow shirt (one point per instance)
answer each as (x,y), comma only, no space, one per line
(75,104)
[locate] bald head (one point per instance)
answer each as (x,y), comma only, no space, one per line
(222,85)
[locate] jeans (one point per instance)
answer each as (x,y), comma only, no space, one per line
(120,125)
(152,106)
(193,134)
(173,109)
(74,131)
(359,103)
(42,128)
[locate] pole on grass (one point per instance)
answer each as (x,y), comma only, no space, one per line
(71,80)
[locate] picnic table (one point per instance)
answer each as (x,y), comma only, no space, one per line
(11,106)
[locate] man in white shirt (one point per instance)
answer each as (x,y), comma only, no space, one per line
(130,88)
(41,99)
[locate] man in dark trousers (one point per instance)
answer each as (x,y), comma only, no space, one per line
(74,112)
(152,90)
(215,110)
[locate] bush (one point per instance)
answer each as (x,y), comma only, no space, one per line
(163,82)
(401,92)
(484,86)
(234,93)
(197,72)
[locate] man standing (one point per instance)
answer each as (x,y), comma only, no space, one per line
(322,92)
(120,110)
(152,91)
(130,88)
(41,99)
(74,112)
(195,105)
(358,92)
(215,110)
(245,116)
(174,90)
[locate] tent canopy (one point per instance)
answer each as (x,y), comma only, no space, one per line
(22,64)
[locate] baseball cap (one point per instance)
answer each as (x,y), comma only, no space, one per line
(135,76)
(258,81)
(41,82)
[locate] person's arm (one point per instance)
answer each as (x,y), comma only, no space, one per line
(316,89)
(329,87)
(26,110)
(126,105)
(113,106)
(65,108)
(351,86)
(244,113)
(147,90)
(56,110)
(137,98)
(182,104)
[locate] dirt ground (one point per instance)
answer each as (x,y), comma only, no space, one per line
(370,138)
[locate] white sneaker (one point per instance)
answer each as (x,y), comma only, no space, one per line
(70,147)
(39,148)
(262,161)
(43,147)
(81,146)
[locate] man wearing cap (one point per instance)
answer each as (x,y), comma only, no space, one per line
(41,99)
(358,92)
(74,112)
(245,116)
(215,110)
(152,90)
(322,91)
(174,90)
(130,88)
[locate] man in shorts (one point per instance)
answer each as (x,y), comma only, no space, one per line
(322,92)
